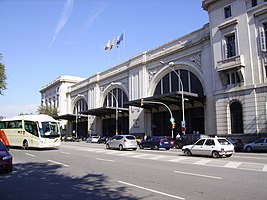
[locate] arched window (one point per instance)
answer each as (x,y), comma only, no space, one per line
(170,83)
(236,117)
(80,105)
(118,95)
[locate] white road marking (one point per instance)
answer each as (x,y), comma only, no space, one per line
(65,152)
(202,162)
(178,159)
(157,157)
(233,164)
(201,175)
(101,159)
(30,154)
(151,190)
(55,162)
(264,168)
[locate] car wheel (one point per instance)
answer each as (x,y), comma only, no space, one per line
(141,146)
(167,148)
(107,146)
(187,152)
(156,147)
(25,145)
(120,147)
(215,154)
(249,148)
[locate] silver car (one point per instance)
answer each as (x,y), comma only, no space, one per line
(258,145)
(122,142)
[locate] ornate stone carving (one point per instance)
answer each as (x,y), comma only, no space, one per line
(195,59)
(152,74)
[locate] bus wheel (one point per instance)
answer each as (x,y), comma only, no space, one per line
(25,145)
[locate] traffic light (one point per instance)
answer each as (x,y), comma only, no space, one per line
(142,102)
(173,125)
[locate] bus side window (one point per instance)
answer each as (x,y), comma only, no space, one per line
(31,127)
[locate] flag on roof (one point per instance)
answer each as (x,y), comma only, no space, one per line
(112,44)
(107,45)
(119,39)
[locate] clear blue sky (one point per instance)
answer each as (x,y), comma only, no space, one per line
(41,40)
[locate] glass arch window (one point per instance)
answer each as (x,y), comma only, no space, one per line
(170,83)
(80,105)
(118,95)
(236,117)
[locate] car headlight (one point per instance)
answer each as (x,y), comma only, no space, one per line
(7,157)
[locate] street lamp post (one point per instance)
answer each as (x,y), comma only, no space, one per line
(182,89)
(116,115)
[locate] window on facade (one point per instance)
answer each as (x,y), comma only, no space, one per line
(233,78)
(236,118)
(170,83)
(117,95)
(263,37)
(227,12)
(254,3)
(266,71)
(230,46)
(80,105)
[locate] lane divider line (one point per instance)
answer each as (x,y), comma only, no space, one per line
(106,160)
(30,154)
(151,190)
(200,175)
(55,162)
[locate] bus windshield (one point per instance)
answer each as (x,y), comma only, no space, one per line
(49,130)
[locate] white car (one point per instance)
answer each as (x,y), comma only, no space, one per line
(93,139)
(215,147)
(122,142)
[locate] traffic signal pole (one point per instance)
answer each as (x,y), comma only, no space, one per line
(142,102)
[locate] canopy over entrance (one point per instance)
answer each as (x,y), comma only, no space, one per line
(103,111)
(191,99)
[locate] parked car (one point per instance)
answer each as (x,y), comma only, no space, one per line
(238,144)
(93,139)
(257,145)
(5,159)
(187,139)
(155,142)
(122,142)
(103,139)
(215,147)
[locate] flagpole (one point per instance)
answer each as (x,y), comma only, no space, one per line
(124,45)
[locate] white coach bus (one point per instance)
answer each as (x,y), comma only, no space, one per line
(38,131)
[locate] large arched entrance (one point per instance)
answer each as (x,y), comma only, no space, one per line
(118,120)
(193,110)
(80,124)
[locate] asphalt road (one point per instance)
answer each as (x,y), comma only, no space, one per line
(89,171)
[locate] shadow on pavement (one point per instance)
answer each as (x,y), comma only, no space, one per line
(44,181)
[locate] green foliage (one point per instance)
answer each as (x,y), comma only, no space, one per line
(2,75)
(53,112)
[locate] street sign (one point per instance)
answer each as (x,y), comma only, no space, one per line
(182,123)
(172,120)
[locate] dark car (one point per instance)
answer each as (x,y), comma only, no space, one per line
(103,139)
(5,159)
(187,139)
(238,144)
(155,142)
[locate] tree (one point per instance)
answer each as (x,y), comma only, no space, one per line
(48,110)
(2,75)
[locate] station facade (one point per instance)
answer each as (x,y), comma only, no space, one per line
(211,81)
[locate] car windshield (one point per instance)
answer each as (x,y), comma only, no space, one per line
(49,130)
(2,147)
